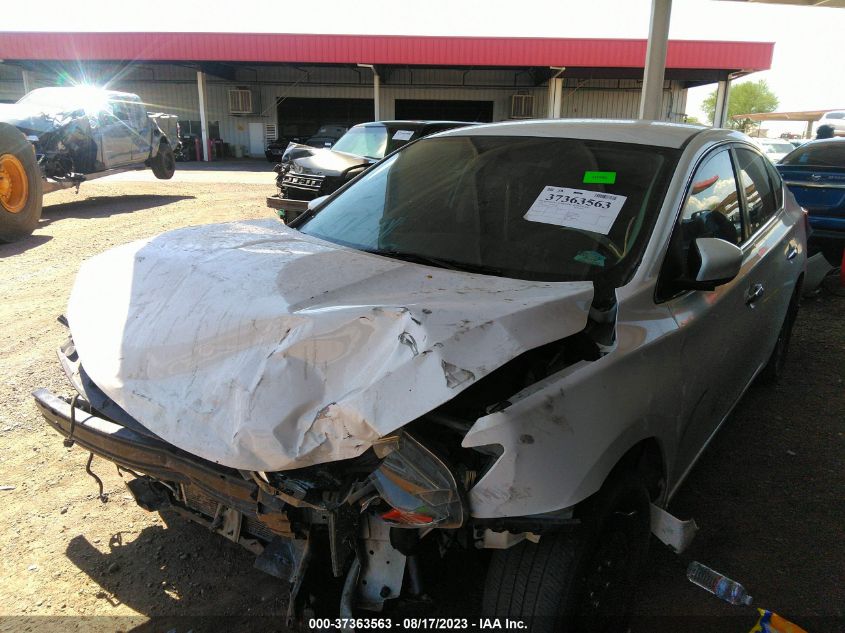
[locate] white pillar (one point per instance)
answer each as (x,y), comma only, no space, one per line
(555,97)
(203,118)
(651,100)
(720,115)
(27,81)
(376,96)
(376,86)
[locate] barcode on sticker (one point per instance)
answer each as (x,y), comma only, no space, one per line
(604,196)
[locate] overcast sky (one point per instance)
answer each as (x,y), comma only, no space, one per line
(807,70)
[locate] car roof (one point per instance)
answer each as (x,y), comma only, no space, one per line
(823,141)
(657,133)
(414,124)
(82,89)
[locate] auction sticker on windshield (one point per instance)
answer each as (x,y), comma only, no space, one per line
(593,211)
(403,135)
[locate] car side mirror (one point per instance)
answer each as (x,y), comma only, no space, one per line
(712,262)
(316,202)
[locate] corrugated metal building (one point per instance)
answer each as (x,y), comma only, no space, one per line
(262,85)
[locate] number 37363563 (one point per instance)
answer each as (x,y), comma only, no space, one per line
(586,202)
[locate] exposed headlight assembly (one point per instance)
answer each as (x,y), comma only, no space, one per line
(418,486)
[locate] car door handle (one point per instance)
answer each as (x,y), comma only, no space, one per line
(755,292)
(791,252)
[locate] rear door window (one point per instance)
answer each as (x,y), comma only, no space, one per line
(139,116)
(760,197)
(777,184)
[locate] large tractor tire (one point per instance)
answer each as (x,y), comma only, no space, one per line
(164,163)
(21,187)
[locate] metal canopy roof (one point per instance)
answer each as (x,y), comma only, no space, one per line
(804,115)
(379,49)
(833,4)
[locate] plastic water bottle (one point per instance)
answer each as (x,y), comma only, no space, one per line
(717,584)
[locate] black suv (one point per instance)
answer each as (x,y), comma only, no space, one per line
(305,173)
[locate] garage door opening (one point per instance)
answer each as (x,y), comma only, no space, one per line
(444,110)
(301,118)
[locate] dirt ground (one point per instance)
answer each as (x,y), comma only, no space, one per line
(768,493)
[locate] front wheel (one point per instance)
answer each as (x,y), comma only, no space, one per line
(21,187)
(581,582)
(164,163)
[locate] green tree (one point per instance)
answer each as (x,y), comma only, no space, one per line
(749,97)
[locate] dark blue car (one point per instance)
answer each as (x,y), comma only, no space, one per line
(815,174)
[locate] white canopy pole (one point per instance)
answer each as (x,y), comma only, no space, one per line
(376,86)
(27,81)
(203,118)
(555,101)
(376,96)
(720,115)
(651,100)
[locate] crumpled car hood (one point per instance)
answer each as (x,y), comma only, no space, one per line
(261,348)
(328,162)
(36,119)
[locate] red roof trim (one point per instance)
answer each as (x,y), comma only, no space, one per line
(378,49)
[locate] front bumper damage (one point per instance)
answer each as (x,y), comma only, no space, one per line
(221,499)
(287,209)
(280,529)
(213,495)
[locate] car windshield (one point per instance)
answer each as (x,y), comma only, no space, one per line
(330,130)
(830,154)
(369,141)
(520,207)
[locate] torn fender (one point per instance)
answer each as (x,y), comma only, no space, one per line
(258,347)
(562,436)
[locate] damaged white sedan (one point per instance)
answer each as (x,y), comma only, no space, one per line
(513,337)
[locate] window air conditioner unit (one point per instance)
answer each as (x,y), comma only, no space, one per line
(240,101)
(522,106)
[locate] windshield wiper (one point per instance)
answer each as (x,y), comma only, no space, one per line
(439,262)
(416,258)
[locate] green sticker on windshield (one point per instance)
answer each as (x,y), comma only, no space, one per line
(600,177)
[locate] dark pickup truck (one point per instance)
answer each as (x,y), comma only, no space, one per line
(306,173)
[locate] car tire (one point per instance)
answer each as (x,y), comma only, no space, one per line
(774,368)
(579,581)
(21,186)
(164,163)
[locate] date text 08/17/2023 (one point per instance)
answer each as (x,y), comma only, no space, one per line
(412,624)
